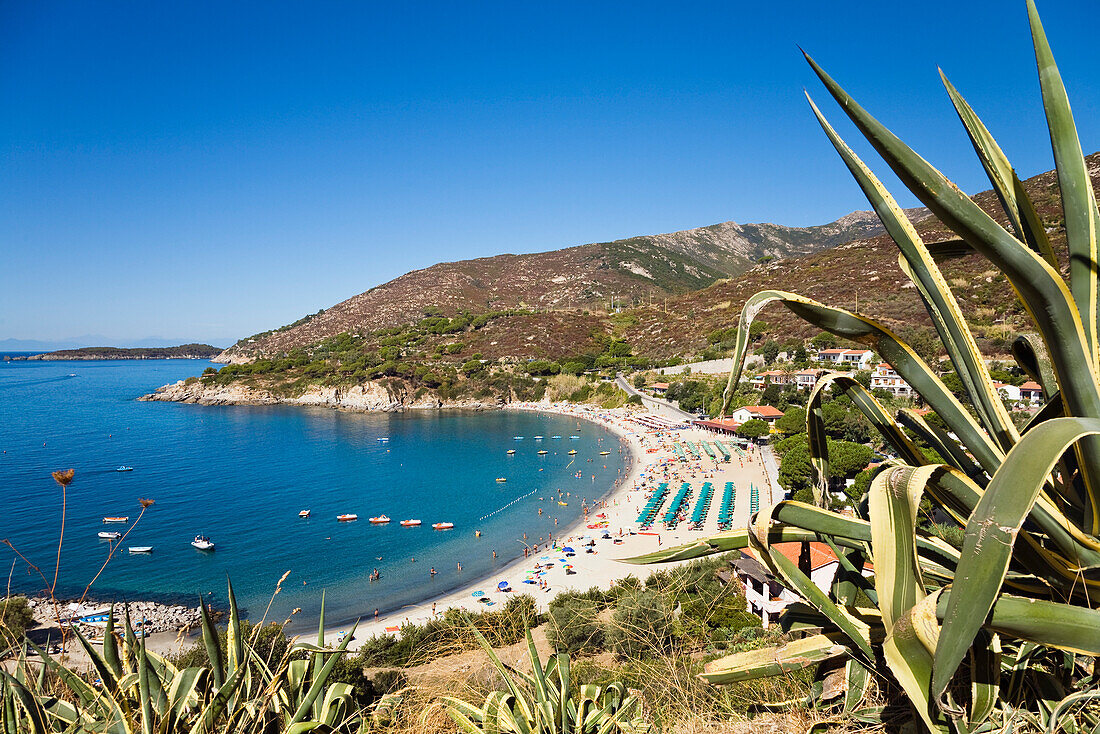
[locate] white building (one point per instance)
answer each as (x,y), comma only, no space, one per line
(858,359)
(885,378)
(765,596)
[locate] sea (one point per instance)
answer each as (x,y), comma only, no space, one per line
(241,474)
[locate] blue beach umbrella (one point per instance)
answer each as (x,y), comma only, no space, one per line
(567,549)
(503,585)
(478,593)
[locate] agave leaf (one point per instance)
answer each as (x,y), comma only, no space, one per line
(857,681)
(946,315)
(912,666)
(185,688)
(892,507)
(1010,190)
(1082,220)
(1040,287)
(938,440)
(319,679)
(210,640)
(335,704)
(991,534)
(36,715)
(144,689)
(467,717)
(110,646)
(768,661)
(233,646)
(218,703)
(897,353)
(1031,355)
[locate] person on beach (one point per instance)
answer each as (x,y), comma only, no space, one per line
(376,613)
(460,565)
(494,555)
(432,572)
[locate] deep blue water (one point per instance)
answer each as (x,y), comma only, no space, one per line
(241,474)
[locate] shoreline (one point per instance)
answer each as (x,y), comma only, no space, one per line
(462,596)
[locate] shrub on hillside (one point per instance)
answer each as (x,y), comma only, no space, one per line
(642,624)
(574,626)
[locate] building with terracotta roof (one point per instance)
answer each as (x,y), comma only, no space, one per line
(885,378)
(775,377)
(765,595)
(1031,391)
(855,358)
(763,412)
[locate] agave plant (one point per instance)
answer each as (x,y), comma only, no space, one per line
(1003,631)
(547,702)
(139,690)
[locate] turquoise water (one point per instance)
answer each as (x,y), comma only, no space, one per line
(240,475)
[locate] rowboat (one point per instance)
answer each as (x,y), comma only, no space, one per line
(141,549)
(442,525)
(203,543)
(110,535)
(380,520)
(502,479)
(347,518)
(115,519)
(303,513)
(409,523)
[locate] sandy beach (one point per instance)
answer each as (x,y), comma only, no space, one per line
(653,461)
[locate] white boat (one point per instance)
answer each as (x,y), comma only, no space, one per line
(110,535)
(409,523)
(543,453)
(555,437)
(383,439)
(511,451)
(502,479)
(443,525)
(116,519)
(141,549)
(125,468)
(203,543)
(380,520)
(574,437)
(518,438)
(303,513)
(347,518)
(538,438)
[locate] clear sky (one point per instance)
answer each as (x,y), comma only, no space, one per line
(204,171)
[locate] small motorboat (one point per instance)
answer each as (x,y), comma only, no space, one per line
(383,439)
(125,468)
(203,543)
(518,438)
(303,513)
(347,518)
(543,453)
(511,451)
(573,452)
(141,549)
(110,535)
(380,520)
(574,437)
(442,525)
(604,453)
(116,519)
(538,438)
(555,437)
(502,479)
(409,523)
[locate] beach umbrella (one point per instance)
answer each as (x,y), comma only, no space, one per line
(478,593)
(503,585)
(529,581)
(567,549)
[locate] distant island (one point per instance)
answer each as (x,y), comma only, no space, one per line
(183,351)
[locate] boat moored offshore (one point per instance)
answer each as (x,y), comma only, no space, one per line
(110,535)
(380,520)
(347,518)
(141,549)
(303,513)
(442,525)
(116,519)
(203,543)
(409,523)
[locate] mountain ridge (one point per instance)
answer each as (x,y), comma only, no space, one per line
(592,276)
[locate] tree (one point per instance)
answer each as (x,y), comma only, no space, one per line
(754,428)
(924,343)
(863,377)
(824,341)
(793,421)
(639,381)
(769,350)
(15,616)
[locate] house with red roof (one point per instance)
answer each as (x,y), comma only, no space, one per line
(855,358)
(763,412)
(1031,392)
(774,377)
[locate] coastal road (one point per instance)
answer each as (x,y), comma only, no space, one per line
(662,408)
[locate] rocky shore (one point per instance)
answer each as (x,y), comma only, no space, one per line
(152,617)
(366,397)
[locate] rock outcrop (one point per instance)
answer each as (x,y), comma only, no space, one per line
(364,397)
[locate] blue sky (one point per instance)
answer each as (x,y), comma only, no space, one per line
(203,171)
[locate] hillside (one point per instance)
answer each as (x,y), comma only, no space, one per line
(631,271)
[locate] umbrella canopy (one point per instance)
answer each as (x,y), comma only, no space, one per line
(567,549)
(503,585)
(478,593)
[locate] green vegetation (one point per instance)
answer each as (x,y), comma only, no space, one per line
(996,630)
(16,617)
